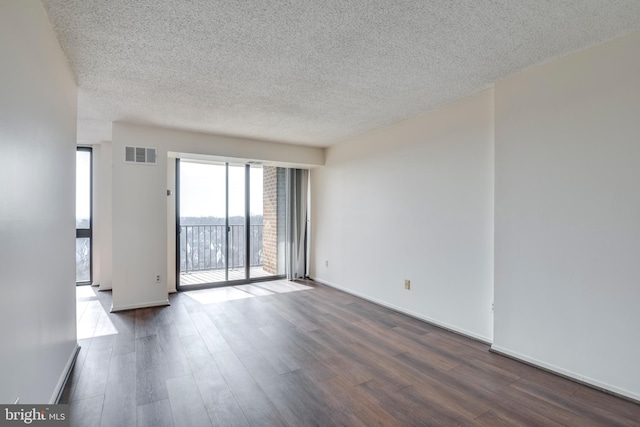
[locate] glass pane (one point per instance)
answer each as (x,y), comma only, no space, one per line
(202,223)
(236,222)
(83,188)
(83,259)
(256,234)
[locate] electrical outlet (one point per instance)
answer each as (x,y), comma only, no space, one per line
(407,285)
(326,263)
(158,278)
(493,306)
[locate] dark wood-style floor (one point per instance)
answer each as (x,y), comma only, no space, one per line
(315,357)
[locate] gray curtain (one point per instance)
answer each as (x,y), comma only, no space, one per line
(297,189)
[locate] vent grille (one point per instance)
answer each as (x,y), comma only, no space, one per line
(140,155)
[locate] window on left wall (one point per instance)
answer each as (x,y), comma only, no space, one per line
(84,199)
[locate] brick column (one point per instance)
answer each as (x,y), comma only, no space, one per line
(270,219)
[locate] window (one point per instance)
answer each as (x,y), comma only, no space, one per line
(83,215)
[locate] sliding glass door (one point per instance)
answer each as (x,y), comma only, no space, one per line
(202,237)
(228,226)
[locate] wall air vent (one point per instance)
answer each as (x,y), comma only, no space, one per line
(140,155)
(254,162)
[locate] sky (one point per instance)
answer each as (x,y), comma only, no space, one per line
(201,189)
(83,184)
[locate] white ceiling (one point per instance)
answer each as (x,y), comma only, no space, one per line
(308,71)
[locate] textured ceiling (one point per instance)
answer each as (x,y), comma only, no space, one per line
(308,71)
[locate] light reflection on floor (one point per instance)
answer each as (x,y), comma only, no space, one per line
(228,293)
(92,320)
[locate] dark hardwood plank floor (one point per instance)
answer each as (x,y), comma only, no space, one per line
(291,355)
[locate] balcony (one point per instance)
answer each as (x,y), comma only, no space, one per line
(203,255)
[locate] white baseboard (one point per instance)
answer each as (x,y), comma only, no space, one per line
(57,392)
(568,374)
(115,308)
(418,316)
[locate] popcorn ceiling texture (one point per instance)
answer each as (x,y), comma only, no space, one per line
(307,72)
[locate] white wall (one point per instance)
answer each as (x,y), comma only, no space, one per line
(102,215)
(567,276)
(141,225)
(37,212)
(96,216)
(413,201)
(171,225)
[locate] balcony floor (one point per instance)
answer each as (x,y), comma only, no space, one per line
(215,276)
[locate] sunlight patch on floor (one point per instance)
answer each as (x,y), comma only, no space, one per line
(91,318)
(210,296)
(281,286)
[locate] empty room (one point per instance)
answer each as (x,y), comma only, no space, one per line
(320,213)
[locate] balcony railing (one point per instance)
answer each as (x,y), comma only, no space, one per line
(202,247)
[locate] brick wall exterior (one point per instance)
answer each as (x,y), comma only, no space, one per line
(273,218)
(282,216)
(270,219)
